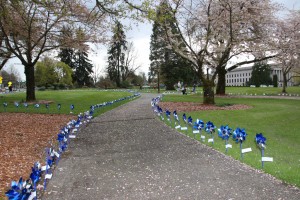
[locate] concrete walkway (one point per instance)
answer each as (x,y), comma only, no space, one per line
(127,153)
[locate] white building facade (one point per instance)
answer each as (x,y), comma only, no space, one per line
(241,76)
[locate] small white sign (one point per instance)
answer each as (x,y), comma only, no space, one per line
(267,159)
(202,137)
(210,140)
(177,127)
(246,150)
(32,195)
(196,131)
(44,168)
(56,154)
(228,146)
(184,128)
(72,136)
(48,176)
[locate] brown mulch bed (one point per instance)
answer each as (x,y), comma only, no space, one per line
(190,106)
(23,139)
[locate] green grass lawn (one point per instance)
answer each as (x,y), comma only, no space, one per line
(81,99)
(238,90)
(277,119)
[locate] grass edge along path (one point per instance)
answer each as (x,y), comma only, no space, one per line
(58,102)
(277,119)
(71,126)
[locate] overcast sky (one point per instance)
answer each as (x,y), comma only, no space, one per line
(140,36)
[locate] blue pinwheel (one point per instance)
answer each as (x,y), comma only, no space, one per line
(260,141)
(176,116)
(25,105)
(184,118)
(210,127)
(168,114)
(36,173)
(37,105)
(59,106)
(16,104)
(72,107)
(47,105)
(199,125)
(239,135)
(19,190)
(224,132)
(190,120)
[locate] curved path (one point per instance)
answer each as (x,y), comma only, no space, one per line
(127,153)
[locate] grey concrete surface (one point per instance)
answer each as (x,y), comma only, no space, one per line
(127,153)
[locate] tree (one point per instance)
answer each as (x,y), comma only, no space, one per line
(116,52)
(130,66)
(83,69)
(261,75)
(171,66)
(214,32)
(28,36)
(5,54)
(286,42)
(50,72)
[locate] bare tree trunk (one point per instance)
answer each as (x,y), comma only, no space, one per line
(284,85)
(221,82)
(30,83)
(208,92)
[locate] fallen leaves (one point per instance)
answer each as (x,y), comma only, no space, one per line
(23,139)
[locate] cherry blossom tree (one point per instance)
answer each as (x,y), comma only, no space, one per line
(215,32)
(286,41)
(31,27)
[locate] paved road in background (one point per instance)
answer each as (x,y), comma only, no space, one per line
(127,153)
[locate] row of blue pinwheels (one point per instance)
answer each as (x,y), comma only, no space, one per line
(27,189)
(224,132)
(239,134)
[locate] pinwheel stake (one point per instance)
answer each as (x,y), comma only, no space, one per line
(5,106)
(198,126)
(239,135)
(168,115)
(224,132)
(17,106)
(47,107)
(58,107)
(26,106)
(261,144)
(37,106)
(184,128)
(190,123)
(72,108)
(176,119)
(210,128)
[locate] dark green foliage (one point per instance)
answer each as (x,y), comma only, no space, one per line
(275,80)
(172,67)
(261,75)
(83,69)
(116,54)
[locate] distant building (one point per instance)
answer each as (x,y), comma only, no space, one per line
(241,76)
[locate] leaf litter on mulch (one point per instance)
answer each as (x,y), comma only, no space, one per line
(23,139)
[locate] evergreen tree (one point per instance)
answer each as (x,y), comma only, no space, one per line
(164,61)
(116,54)
(83,69)
(261,74)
